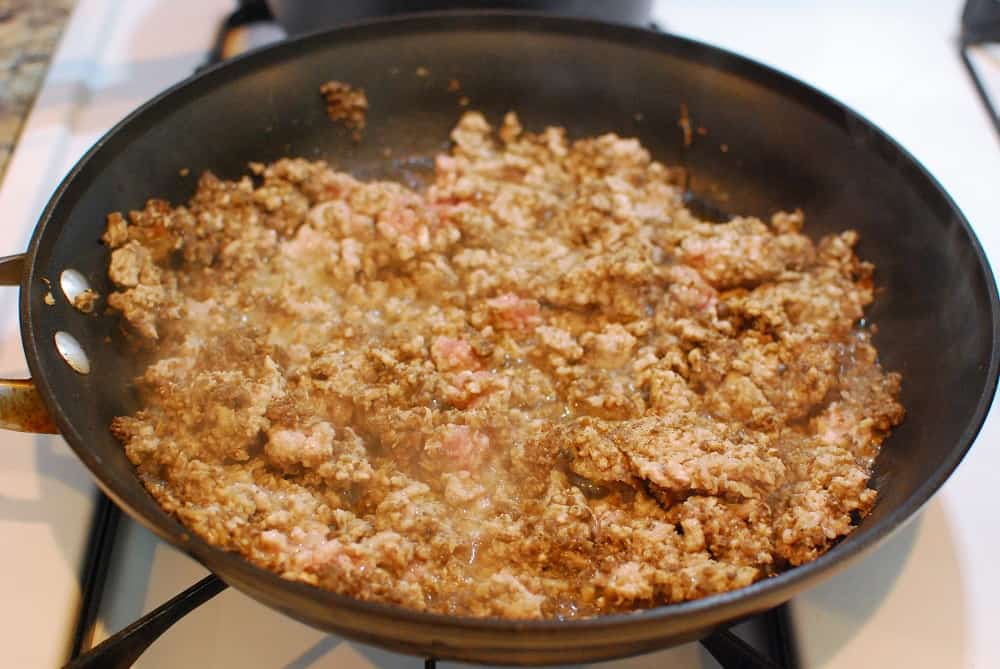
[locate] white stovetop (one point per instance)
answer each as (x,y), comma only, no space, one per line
(930,597)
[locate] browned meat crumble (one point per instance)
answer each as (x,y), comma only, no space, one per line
(346,104)
(539,388)
(86,300)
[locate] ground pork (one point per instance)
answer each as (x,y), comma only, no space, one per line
(537,388)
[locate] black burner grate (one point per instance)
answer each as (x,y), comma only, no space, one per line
(980,26)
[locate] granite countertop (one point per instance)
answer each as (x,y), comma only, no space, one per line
(29,32)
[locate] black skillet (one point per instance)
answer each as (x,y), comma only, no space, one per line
(771,142)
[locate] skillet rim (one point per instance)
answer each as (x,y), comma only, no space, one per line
(687,616)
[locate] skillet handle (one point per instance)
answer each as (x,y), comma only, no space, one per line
(21,407)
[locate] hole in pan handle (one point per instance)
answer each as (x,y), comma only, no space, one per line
(21,407)
(124,648)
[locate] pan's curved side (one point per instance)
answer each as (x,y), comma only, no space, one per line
(788,146)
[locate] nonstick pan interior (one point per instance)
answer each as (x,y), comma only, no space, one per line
(770,143)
